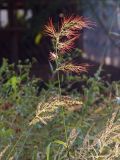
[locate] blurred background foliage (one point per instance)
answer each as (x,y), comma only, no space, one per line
(22,36)
(26,20)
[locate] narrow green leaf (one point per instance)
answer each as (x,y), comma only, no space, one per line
(48,151)
(61,142)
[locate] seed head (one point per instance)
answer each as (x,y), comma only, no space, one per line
(50,29)
(53,56)
(74,68)
(67,33)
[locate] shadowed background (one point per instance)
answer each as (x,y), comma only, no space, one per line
(21,32)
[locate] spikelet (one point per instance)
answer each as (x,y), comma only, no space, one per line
(48,110)
(50,29)
(72,137)
(67,45)
(3,151)
(110,134)
(53,56)
(73,68)
(72,24)
(45,111)
(71,104)
(67,33)
(106,144)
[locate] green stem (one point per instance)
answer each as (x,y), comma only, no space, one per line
(59,88)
